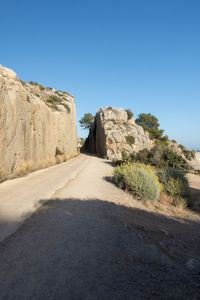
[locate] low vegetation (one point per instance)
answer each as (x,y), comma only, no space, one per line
(58,152)
(157,185)
(150,123)
(139,179)
(130,139)
(53,101)
(174,182)
(129,113)
(41,87)
(158,156)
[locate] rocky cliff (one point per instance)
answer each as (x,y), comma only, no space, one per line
(112,133)
(37,125)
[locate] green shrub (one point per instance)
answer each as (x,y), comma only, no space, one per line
(139,180)
(173,160)
(189,154)
(33,83)
(54,106)
(174,182)
(58,152)
(181,147)
(130,139)
(129,113)
(158,156)
(54,99)
(66,106)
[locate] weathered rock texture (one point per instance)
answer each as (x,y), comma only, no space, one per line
(37,125)
(109,135)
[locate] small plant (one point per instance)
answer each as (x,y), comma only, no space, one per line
(66,93)
(58,152)
(28,98)
(53,106)
(181,147)
(130,139)
(55,100)
(189,154)
(42,88)
(174,141)
(66,106)
(129,113)
(139,180)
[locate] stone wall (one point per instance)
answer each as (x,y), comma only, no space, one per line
(34,133)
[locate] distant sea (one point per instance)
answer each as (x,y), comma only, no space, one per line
(198,150)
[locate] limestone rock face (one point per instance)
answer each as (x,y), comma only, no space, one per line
(112,133)
(37,125)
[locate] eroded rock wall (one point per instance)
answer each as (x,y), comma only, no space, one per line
(112,134)
(34,133)
(109,134)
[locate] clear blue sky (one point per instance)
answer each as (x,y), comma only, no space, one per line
(143,55)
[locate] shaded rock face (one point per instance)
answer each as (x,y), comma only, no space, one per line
(112,133)
(37,125)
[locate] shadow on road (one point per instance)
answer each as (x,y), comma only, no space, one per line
(94,249)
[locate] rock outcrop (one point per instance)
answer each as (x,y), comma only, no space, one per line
(194,161)
(112,134)
(37,125)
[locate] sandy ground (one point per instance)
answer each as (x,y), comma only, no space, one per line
(91,240)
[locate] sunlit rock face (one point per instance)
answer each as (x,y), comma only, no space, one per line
(36,128)
(112,134)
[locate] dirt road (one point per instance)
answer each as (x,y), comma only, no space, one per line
(93,241)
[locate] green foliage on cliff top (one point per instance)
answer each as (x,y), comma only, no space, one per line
(150,123)
(158,156)
(86,121)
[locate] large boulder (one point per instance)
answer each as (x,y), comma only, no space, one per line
(112,134)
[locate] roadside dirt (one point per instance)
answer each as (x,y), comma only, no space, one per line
(94,241)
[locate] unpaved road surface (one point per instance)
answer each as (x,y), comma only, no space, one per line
(92,241)
(20,197)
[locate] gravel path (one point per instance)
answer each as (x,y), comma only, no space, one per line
(93,241)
